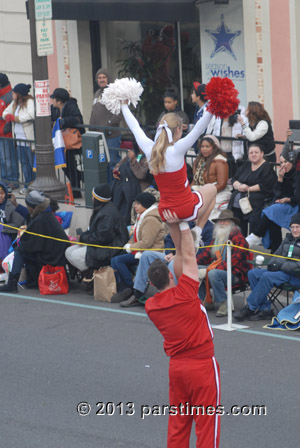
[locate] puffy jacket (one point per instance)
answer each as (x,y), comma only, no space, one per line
(26,117)
(281,264)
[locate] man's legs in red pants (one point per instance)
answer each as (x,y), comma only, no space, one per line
(194,382)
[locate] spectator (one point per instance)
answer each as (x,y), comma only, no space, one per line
(259,129)
(211,167)
(226,228)
(141,276)
(8,215)
(101,116)
(280,270)
(278,214)
(171,105)
(21,113)
(35,251)
(130,175)
(148,234)
(106,228)
(9,163)
(70,117)
(254,179)
(199,99)
(229,127)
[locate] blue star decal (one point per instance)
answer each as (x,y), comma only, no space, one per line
(223,38)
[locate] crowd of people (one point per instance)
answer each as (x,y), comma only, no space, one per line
(235,177)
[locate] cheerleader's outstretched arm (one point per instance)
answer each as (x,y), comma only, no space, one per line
(144,142)
(185,143)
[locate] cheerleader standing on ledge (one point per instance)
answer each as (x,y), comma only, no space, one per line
(167,163)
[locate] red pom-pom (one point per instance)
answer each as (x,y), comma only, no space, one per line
(222,96)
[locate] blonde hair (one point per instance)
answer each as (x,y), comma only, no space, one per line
(157,160)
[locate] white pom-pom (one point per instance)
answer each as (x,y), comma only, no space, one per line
(121,90)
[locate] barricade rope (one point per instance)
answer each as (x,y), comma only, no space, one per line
(143,249)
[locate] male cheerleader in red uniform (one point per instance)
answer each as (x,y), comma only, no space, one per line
(178,314)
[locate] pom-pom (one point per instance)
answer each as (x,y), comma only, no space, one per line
(222,96)
(121,90)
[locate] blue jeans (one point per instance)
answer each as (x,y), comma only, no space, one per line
(261,282)
(26,159)
(9,162)
(114,155)
(141,276)
(121,264)
(218,283)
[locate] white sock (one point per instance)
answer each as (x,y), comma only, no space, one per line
(198,231)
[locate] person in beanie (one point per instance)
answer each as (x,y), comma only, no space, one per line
(20,113)
(106,228)
(101,116)
(148,233)
(9,163)
(67,109)
(280,270)
(34,251)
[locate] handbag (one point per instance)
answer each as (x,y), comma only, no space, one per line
(72,138)
(245,205)
(53,280)
(105,285)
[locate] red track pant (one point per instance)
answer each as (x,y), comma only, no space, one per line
(194,382)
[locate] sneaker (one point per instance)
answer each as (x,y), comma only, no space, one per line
(24,191)
(243,314)
(253,240)
(222,310)
(197,239)
(3,277)
(132,301)
(262,315)
(120,296)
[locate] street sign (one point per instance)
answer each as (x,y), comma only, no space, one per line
(44,37)
(42,98)
(43,9)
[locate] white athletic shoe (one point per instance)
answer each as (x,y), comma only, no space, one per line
(197,239)
(3,277)
(253,240)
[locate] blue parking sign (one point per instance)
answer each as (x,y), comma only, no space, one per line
(102,157)
(89,153)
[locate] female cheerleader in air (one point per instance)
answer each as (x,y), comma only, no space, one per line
(165,156)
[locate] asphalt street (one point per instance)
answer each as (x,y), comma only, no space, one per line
(59,351)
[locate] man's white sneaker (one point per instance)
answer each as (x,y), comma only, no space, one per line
(253,240)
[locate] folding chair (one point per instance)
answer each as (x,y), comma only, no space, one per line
(274,294)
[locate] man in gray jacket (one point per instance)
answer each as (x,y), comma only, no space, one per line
(280,270)
(101,116)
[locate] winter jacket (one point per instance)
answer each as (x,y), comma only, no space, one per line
(106,229)
(47,251)
(239,258)
(70,115)
(5,100)
(101,116)
(281,264)
(26,117)
(150,233)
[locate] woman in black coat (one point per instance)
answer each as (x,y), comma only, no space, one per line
(70,117)
(254,179)
(106,228)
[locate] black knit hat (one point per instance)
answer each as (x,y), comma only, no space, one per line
(22,89)
(102,193)
(61,94)
(295,219)
(3,80)
(145,199)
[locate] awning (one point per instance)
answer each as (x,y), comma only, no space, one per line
(127,10)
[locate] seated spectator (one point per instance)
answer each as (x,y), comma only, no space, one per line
(171,105)
(229,127)
(33,251)
(280,270)
(211,167)
(131,176)
(141,275)
(8,215)
(278,214)
(67,109)
(259,130)
(254,179)
(226,228)
(148,233)
(106,228)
